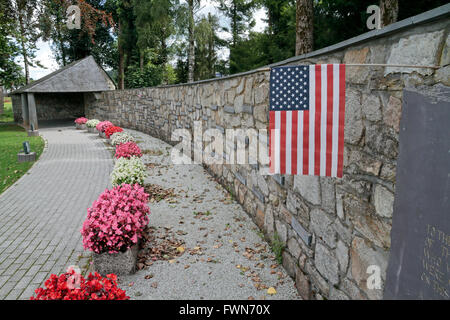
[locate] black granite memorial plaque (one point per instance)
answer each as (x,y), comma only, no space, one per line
(419,265)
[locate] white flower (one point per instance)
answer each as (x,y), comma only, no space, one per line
(130,171)
(92,123)
(121,137)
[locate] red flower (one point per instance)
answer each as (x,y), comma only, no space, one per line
(111,130)
(95,288)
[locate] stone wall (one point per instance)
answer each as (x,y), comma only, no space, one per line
(53,106)
(349,219)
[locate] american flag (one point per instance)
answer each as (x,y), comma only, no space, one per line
(307,113)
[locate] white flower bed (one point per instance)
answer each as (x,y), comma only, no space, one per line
(121,137)
(130,171)
(92,123)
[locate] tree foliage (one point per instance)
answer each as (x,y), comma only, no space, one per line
(152,42)
(11,75)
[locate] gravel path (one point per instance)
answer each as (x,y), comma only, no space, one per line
(42,213)
(224,257)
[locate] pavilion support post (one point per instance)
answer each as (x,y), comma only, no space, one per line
(25,113)
(32,112)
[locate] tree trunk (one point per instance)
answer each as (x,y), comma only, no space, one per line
(121,76)
(304,27)
(388,11)
(191,53)
(60,39)
(234,27)
(1,99)
(24,49)
(141,60)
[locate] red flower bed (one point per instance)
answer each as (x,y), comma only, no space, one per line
(128,150)
(111,130)
(72,286)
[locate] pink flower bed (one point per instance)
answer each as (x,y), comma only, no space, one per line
(116,219)
(81,120)
(102,126)
(128,150)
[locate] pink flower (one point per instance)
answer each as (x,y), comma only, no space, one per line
(128,150)
(81,120)
(102,126)
(116,220)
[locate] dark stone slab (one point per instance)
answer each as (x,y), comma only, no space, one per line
(419,264)
(221,129)
(302,233)
(247,109)
(229,109)
(240,178)
(278,179)
(258,194)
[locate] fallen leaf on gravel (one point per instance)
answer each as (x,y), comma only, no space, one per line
(250,298)
(271,291)
(159,244)
(158,193)
(155,285)
(180,249)
(149,276)
(187,266)
(131,284)
(172,261)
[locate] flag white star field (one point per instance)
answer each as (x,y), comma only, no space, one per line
(307,115)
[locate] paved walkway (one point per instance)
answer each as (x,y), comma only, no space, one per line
(41,214)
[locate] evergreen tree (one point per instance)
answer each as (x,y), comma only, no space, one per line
(239,13)
(207,43)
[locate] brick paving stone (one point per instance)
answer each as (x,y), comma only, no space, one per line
(42,213)
(14,294)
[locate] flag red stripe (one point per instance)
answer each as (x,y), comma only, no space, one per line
(317,120)
(341,120)
(294,146)
(271,142)
(329,119)
(283,143)
(305,142)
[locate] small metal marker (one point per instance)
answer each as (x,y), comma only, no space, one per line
(26,147)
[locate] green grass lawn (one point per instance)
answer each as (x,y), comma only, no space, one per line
(7,115)
(11,139)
